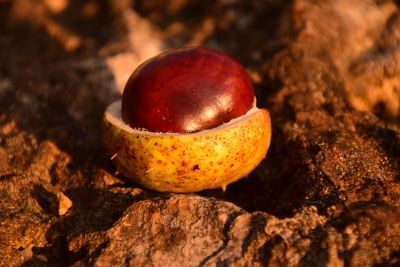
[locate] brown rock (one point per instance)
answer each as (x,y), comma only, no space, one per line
(64,204)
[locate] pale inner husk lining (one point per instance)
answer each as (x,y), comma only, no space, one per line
(113,115)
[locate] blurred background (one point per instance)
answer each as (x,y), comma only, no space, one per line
(127,32)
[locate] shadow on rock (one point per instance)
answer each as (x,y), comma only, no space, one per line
(81,232)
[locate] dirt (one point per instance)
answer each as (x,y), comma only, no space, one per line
(327,193)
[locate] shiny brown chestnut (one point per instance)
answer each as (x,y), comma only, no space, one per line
(186,90)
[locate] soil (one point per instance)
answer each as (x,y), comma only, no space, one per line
(327,193)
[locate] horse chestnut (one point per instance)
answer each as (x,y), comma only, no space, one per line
(187,122)
(186,90)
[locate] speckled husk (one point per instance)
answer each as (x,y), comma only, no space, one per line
(187,162)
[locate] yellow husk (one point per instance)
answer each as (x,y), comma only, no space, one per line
(188,162)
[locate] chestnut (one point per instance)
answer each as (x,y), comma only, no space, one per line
(187,122)
(186,90)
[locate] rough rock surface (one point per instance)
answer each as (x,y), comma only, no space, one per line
(327,194)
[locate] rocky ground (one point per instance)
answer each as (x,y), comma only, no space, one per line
(327,194)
